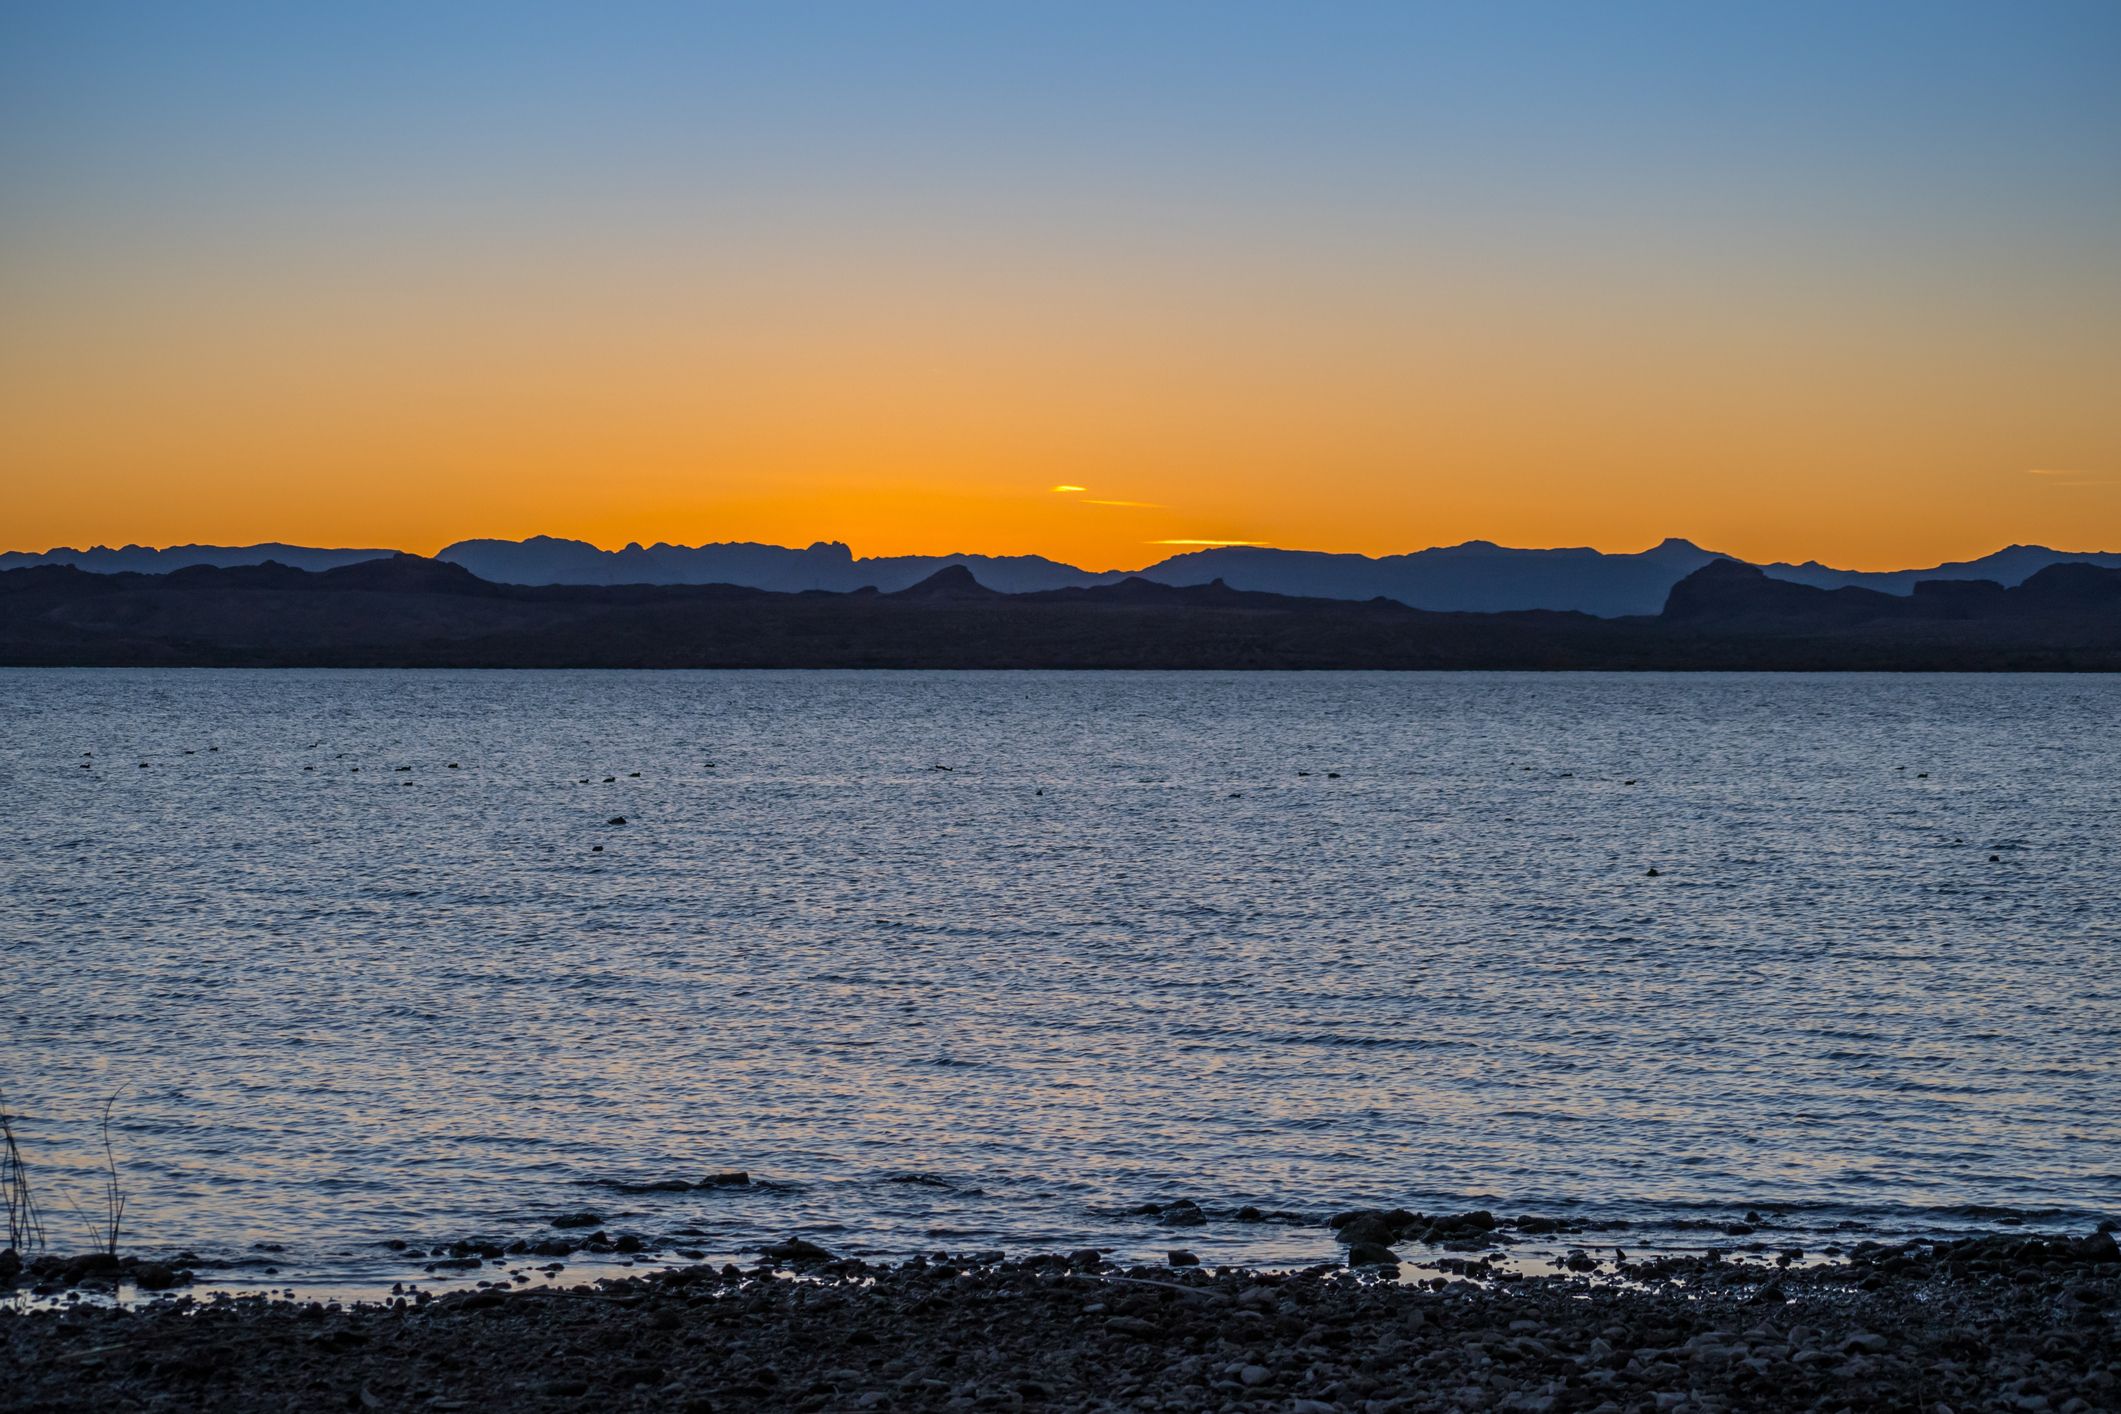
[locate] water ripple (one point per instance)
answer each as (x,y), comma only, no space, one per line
(1123,950)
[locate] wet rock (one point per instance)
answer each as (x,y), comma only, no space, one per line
(90,1266)
(578,1220)
(153,1276)
(1460,1227)
(2099,1247)
(733,1178)
(1179,1257)
(1183,1213)
(1371,1254)
(798,1251)
(1368,1229)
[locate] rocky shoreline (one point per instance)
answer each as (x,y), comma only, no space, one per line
(2002,1321)
(587,1241)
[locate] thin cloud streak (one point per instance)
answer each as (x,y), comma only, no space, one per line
(2080,478)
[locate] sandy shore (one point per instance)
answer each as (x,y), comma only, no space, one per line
(2002,1322)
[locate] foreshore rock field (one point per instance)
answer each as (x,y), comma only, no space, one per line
(2004,1322)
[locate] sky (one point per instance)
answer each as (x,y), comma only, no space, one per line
(1794,280)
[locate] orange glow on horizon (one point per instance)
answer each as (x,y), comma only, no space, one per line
(1095,406)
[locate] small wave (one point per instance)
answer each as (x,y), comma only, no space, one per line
(1991,1212)
(1329,1039)
(731,1181)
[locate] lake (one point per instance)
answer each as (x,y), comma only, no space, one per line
(988,960)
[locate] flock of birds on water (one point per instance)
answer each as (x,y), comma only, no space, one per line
(1651,872)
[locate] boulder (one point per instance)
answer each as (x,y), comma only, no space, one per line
(2098,1247)
(1367,1230)
(90,1266)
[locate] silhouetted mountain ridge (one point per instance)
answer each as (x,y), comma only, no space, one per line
(413,612)
(1727,591)
(1477,576)
(146,559)
(949,582)
(1728,594)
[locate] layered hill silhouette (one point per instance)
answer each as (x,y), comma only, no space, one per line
(1473,577)
(146,559)
(412,612)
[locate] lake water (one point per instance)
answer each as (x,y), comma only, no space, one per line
(1122,949)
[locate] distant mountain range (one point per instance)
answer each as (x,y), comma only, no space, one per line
(1476,577)
(146,559)
(411,612)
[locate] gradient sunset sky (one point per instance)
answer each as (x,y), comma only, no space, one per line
(1794,280)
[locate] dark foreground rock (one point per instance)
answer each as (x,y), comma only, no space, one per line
(1994,1324)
